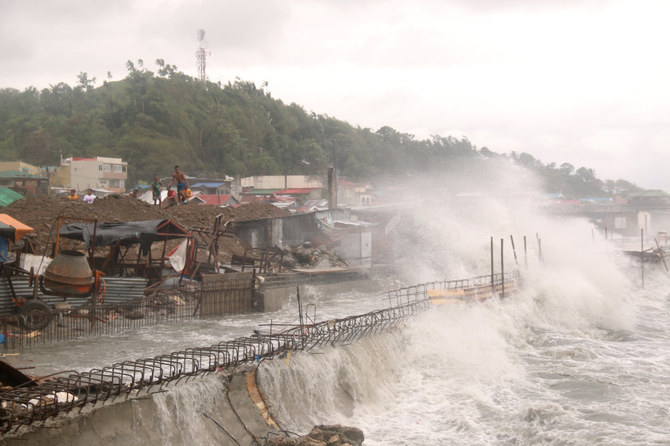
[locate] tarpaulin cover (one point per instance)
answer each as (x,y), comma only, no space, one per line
(142,232)
(8,196)
(12,229)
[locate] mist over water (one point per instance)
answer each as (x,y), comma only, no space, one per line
(581,355)
(537,368)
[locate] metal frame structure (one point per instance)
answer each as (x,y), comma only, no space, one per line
(64,392)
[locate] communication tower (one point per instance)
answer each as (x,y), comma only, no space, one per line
(201,55)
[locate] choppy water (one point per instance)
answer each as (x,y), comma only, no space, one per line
(580,357)
(528,370)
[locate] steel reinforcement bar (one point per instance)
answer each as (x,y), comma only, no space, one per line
(419,292)
(65,391)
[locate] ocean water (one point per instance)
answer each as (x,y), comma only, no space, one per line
(527,370)
(580,356)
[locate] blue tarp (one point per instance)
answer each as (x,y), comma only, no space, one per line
(193,186)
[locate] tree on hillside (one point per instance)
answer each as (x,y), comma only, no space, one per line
(155,121)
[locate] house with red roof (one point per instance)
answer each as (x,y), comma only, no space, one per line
(301,194)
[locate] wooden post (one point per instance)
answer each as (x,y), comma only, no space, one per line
(332,188)
(502,267)
(642,255)
(514,250)
(525,252)
(660,252)
(302,330)
(493,283)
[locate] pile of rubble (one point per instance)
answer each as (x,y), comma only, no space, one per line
(307,256)
(41,214)
(336,435)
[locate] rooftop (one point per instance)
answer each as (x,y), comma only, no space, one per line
(15,174)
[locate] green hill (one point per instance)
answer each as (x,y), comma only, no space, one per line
(157,120)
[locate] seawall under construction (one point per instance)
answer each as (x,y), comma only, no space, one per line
(205,390)
(109,403)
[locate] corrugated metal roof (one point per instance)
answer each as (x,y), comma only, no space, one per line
(118,290)
(260,192)
(301,190)
(10,174)
(651,193)
(207,185)
(254,198)
(216,199)
(8,196)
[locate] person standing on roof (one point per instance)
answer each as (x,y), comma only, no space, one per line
(182,184)
(156,189)
(89,197)
(73,195)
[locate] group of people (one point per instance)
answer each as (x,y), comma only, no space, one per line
(181,182)
(88,198)
(178,178)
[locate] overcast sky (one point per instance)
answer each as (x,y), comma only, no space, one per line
(585,82)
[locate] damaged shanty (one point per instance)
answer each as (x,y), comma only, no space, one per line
(343,241)
(110,277)
(329,250)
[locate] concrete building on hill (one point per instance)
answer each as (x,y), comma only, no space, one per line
(280,182)
(97,172)
(24,183)
(20,166)
(354,194)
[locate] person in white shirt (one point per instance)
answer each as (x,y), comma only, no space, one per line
(89,197)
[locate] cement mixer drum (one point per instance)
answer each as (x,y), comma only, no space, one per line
(69,274)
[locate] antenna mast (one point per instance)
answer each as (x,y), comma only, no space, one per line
(201,55)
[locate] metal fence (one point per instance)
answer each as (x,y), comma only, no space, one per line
(64,392)
(125,305)
(225,294)
(496,282)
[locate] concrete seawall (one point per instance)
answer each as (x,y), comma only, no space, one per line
(194,396)
(226,410)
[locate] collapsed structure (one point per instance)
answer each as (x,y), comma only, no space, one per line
(95,276)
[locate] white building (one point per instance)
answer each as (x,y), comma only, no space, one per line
(283,182)
(92,173)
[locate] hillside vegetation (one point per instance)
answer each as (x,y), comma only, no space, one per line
(157,120)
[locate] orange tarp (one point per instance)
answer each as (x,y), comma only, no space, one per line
(20,229)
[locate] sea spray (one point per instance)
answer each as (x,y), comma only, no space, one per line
(330,385)
(187,413)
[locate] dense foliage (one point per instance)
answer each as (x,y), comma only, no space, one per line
(157,120)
